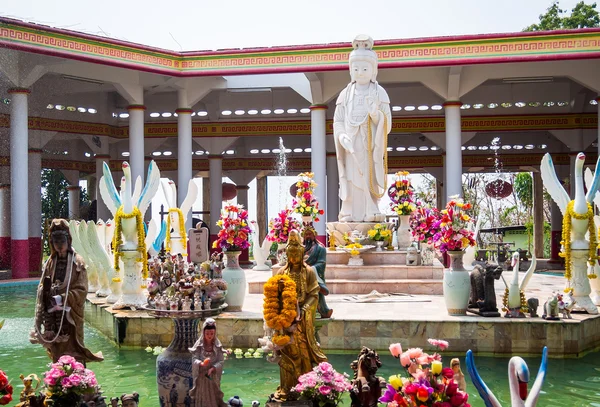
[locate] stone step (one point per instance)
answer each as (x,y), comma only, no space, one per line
(345,286)
(360,273)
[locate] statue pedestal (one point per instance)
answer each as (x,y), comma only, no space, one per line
(132,294)
(581,283)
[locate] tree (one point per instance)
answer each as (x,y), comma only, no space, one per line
(523,187)
(582,16)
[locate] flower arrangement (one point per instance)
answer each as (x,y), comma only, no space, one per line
(453,234)
(353,248)
(305,202)
(67,380)
(380,232)
(323,385)
(566,241)
(424,224)
(280,226)
(234,232)
(6,390)
(118,241)
(401,194)
(280,306)
(426,383)
(182,232)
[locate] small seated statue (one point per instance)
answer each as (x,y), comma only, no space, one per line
(28,390)
(551,308)
(459,376)
(483,295)
(366,386)
(532,305)
(130,400)
(566,303)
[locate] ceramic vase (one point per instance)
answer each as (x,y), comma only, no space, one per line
(427,254)
(404,237)
(457,285)
(581,283)
(235,277)
(174,365)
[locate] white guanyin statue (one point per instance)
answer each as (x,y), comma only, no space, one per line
(361,124)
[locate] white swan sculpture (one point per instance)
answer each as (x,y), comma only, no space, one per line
(594,283)
(78,245)
(262,251)
(128,210)
(516,293)
(102,246)
(579,227)
(176,240)
(518,377)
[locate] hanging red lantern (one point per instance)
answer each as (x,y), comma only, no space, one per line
(293,190)
(498,189)
(228,190)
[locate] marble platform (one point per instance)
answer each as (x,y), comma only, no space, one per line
(385,272)
(410,319)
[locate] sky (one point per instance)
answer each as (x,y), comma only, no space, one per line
(186,25)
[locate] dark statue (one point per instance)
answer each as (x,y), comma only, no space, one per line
(483,297)
(366,386)
(532,304)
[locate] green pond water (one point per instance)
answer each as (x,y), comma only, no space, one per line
(570,382)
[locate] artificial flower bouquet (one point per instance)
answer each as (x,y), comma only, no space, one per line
(401,195)
(454,234)
(234,232)
(305,202)
(424,224)
(380,232)
(354,248)
(68,380)
(425,383)
(6,390)
(281,225)
(323,385)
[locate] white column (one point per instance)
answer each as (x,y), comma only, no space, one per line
(333,185)
(4,226)
(184,155)
(242,195)
(73,201)
(453,162)
(35,209)
(215,169)
(19,138)
(318,160)
(101,208)
(136,141)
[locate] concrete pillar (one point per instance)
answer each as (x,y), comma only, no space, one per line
(184,155)
(73,201)
(101,208)
(4,226)
(215,162)
(242,195)
(453,162)
(333,186)
(136,141)
(538,215)
(318,159)
(206,202)
(443,189)
(19,138)
(35,209)
(261,207)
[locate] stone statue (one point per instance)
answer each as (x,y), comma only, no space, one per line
(361,124)
(130,400)
(61,299)
(207,367)
(303,352)
(366,386)
(532,305)
(459,376)
(551,308)
(483,296)
(316,255)
(28,390)
(566,302)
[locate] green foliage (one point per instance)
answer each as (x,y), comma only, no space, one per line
(582,15)
(523,186)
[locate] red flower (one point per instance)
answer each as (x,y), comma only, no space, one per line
(411,388)
(459,398)
(447,373)
(3,380)
(451,388)
(4,400)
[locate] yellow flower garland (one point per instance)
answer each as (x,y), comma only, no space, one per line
(524,306)
(280,311)
(566,238)
(181,231)
(118,241)
(281,339)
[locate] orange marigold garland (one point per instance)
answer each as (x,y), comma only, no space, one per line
(279,311)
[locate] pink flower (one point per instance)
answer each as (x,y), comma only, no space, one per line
(66,383)
(396,350)
(405,359)
(423,359)
(415,353)
(50,381)
(325,367)
(324,390)
(75,380)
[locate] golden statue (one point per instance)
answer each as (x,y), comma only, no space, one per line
(303,352)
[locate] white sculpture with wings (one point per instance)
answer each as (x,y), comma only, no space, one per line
(78,243)
(594,282)
(262,251)
(176,241)
(578,216)
(129,236)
